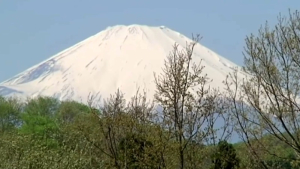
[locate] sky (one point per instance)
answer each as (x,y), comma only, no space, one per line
(34,30)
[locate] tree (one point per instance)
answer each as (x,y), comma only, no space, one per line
(186,99)
(267,101)
(135,152)
(70,110)
(225,157)
(117,122)
(39,120)
(10,117)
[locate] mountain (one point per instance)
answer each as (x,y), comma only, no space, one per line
(123,57)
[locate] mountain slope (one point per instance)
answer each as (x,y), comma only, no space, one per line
(123,57)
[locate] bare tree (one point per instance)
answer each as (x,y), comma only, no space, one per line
(188,102)
(124,131)
(266,103)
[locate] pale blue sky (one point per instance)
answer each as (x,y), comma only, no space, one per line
(33,30)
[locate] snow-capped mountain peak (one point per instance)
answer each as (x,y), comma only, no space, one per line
(121,56)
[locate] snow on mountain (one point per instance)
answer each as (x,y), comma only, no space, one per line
(123,57)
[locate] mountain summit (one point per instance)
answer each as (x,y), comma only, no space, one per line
(123,57)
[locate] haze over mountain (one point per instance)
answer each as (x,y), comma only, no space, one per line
(123,57)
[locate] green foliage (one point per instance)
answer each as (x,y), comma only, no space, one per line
(39,122)
(46,133)
(44,106)
(225,157)
(10,110)
(40,127)
(135,152)
(69,110)
(21,151)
